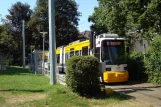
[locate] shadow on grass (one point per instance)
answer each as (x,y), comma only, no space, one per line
(114,95)
(17,90)
(60,89)
(15,71)
(119,96)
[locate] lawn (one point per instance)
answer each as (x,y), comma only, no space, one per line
(20,88)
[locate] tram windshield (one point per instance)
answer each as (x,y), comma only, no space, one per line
(113,52)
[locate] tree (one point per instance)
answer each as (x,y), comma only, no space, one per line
(7,44)
(98,26)
(150,20)
(121,16)
(66,18)
(17,13)
(109,16)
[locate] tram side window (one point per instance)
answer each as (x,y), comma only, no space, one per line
(66,56)
(85,50)
(76,52)
(58,58)
(46,59)
(80,52)
(97,53)
(71,54)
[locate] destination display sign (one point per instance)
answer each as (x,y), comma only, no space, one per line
(113,43)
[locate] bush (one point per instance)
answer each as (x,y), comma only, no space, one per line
(82,74)
(136,67)
(153,61)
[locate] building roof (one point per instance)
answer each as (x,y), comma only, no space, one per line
(85,34)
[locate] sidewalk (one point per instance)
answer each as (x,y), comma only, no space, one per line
(142,92)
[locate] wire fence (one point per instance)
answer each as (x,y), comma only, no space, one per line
(36,66)
(36,63)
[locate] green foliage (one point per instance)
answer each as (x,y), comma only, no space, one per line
(109,16)
(82,75)
(7,44)
(18,12)
(136,67)
(66,20)
(151,18)
(142,18)
(153,61)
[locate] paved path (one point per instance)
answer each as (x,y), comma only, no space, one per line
(142,92)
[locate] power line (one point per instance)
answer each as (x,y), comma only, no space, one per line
(83,22)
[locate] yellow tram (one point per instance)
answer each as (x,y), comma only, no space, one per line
(108,48)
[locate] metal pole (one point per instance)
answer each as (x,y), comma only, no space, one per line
(23,43)
(43,54)
(52,42)
(43,62)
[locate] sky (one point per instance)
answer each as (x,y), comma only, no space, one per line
(86,8)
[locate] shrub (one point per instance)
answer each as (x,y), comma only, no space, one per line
(136,67)
(153,61)
(81,74)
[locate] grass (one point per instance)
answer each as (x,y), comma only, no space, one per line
(21,88)
(17,80)
(61,96)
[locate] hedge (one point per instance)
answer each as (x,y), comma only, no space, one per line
(82,75)
(153,61)
(136,67)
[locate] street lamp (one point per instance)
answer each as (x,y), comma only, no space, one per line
(43,36)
